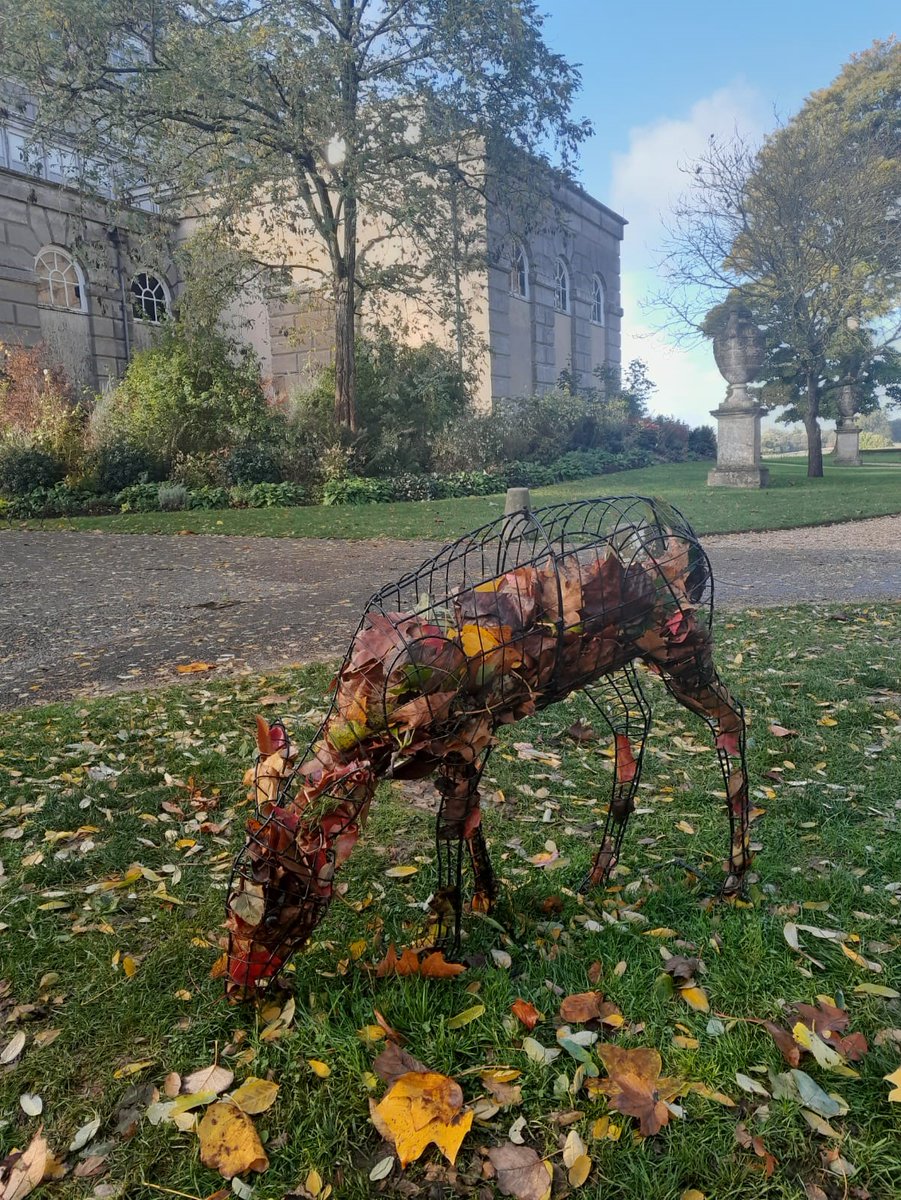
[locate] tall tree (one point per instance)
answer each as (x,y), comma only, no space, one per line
(357,123)
(804,231)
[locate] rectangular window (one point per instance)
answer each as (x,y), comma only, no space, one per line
(18,154)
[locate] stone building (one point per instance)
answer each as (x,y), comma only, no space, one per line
(94,288)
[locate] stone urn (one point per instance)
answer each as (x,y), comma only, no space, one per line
(847,431)
(739,350)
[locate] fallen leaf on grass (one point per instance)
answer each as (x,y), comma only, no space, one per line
(526,1013)
(465,1017)
(581,1007)
(538,1053)
(748,1142)
(31,1104)
(213,1079)
(13,1048)
(229,1142)
(318,1067)
(634,1085)
(895,1080)
(420,1108)
(520,1172)
(401,872)
(85,1134)
(433,966)
(747,1084)
(500,1085)
(874,989)
(22,1170)
(255,1095)
(780,731)
(696,998)
(394,1062)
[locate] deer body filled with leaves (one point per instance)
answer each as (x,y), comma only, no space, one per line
(500,624)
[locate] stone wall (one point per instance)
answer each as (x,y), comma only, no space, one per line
(586,235)
(93,346)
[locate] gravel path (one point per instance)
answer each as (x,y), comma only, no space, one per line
(90,613)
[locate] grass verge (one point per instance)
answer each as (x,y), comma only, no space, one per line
(153,779)
(844,494)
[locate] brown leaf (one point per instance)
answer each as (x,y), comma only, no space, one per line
(635,1086)
(581,1007)
(22,1170)
(681,968)
(595,971)
(504,1092)
(780,731)
(788,1047)
(394,1062)
(390,1032)
(748,1142)
(582,732)
(525,1013)
(436,966)
(520,1172)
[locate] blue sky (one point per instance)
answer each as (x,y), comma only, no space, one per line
(658,78)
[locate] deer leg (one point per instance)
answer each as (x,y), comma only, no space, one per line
(692,679)
(459,827)
(617,699)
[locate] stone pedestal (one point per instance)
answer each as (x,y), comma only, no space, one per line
(739,350)
(847,445)
(738,446)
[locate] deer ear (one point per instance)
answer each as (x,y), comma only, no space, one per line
(264,736)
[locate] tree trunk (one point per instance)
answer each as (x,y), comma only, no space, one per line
(345,364)
(812,426)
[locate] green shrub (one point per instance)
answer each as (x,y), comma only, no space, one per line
(356,491)
(24,468)
(874,441)
(252,462)
(201,469)
(208,497)
(58,501)
(702,442)
(190,395)
(140,497)
(118,464)
(275,495)
(172,497)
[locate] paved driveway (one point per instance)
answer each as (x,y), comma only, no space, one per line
(88,613)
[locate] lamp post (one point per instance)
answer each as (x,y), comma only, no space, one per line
(739,351)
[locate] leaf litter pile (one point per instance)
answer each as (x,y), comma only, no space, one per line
(640,1041)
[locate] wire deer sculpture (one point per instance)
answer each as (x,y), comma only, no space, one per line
(499,624)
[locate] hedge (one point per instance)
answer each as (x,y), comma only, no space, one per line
(62,501)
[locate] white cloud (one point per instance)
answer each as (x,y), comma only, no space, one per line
(646,179)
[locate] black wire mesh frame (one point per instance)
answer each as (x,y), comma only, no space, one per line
(645,593)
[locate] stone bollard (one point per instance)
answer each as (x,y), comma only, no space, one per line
(517,500)
(738,349)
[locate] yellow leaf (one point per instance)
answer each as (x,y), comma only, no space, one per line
(894,1079)
(692,1194)
(357,949)
(229,1142)
(371,1033)
(132,1068)
(313,1183)
(709,1094)
(877,989)
(255,1095)
(401,872)
(663,931)
(579,1171)
(420,1108)
(182,994)
(685,827)
(463,1018)
(129,966)
(856,958)
(695,998)
(192,668)
(318,1067)
(828,721)
(477,640)
(685,1043)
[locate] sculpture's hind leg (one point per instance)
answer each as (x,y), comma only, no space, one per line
(691,677)
(625,710)
(459,831)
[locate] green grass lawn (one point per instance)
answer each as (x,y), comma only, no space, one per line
(844,494)
(830,859)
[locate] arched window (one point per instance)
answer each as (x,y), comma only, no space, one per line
(519,272)
(60,280)
(149,298)
(598,301)
(561,286)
